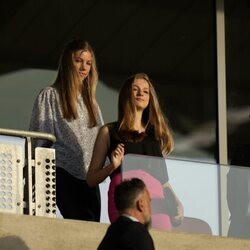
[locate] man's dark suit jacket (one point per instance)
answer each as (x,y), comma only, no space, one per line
(126,234)
(237,193)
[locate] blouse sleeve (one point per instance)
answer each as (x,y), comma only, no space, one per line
(42,116)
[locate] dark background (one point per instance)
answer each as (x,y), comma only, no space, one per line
(172,41)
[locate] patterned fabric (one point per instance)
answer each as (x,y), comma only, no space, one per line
(74,139)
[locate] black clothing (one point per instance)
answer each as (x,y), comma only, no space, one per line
(242,156)
(140,144)
(71,197)
(238,180)
(125,234)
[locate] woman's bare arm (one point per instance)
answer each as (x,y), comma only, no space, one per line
(97,172)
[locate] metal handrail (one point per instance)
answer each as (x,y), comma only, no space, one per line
(31,134)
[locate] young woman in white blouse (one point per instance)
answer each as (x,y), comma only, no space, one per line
(68,109)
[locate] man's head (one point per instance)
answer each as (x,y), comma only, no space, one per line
(132,198)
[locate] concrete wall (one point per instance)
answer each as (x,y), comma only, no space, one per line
(26,232)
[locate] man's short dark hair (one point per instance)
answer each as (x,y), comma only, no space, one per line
(126,193)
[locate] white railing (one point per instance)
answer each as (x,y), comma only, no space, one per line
(27,175)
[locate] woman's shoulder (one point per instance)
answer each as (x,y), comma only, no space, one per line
(112,125)
(106,130)
(112,129)
(47,92)
(107,127)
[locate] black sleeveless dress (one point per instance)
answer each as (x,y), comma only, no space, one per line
(139,144)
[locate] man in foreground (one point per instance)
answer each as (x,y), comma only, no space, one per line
(130,230)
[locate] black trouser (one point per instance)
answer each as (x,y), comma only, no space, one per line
(75,199)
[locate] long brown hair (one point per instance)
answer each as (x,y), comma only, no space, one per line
(67,83)
(152,115)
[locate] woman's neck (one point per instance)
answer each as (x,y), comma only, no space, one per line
(80,87)
(138,125)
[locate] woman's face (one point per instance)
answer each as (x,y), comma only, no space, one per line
(82,61)
(140,90)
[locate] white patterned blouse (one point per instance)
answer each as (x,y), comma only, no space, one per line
(74,139)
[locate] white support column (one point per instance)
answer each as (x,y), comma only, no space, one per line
(222,113)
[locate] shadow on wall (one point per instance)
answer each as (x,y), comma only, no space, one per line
(13,243)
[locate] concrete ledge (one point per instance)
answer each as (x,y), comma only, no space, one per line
(27,232)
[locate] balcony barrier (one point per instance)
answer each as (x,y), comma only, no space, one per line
(27,175)
(213,196)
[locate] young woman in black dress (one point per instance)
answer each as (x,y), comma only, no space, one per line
(141,129)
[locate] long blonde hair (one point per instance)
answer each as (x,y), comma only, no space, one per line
(152,115)
(67,83)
